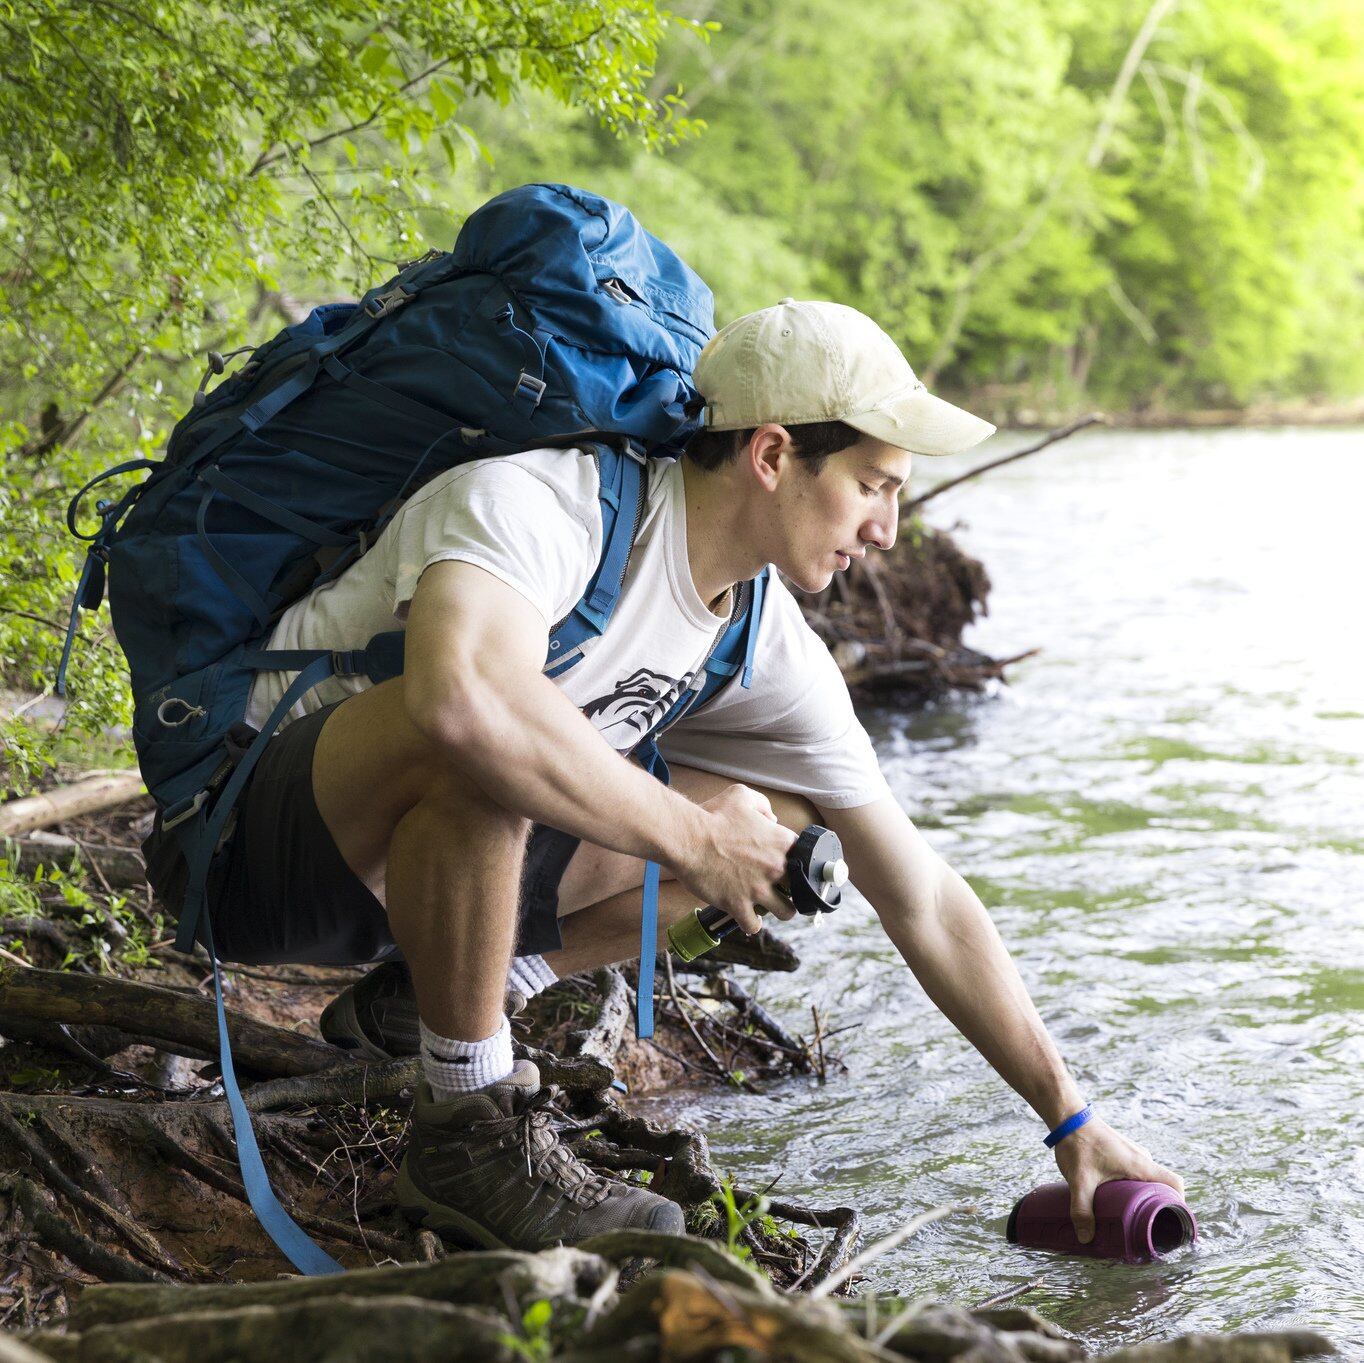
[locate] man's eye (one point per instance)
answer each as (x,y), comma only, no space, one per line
(870,491)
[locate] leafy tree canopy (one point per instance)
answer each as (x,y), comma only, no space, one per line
(173,172)
(1047,202)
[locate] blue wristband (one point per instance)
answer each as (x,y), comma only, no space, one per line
(1073,1123)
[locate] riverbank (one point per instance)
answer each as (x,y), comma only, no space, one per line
(1024,412)
(127,1237)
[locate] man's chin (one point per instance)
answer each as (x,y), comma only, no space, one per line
(813,582)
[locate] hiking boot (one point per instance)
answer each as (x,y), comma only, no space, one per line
(488,1168)
(376,1017)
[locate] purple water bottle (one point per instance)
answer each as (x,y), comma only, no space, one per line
(1133,1221)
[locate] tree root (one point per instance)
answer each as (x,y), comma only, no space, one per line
(150,1011)
(351,1330)
(59,1234)
(140,1241)
(481,1279)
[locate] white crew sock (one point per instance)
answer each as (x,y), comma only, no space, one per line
(529,975)
(452,1067)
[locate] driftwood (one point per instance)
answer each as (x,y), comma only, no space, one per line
(161,1017)
(762,951)
(88,796)
(602,1040)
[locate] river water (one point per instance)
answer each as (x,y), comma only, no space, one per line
(1164,814)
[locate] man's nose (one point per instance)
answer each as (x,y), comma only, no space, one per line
(880,530)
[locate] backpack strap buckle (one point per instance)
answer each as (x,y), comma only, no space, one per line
(389,301)
(529,386)
(185,809)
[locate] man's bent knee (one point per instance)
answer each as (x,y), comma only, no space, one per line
(464,809)
(372,767)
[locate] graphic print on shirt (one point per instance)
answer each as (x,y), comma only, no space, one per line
(637,704)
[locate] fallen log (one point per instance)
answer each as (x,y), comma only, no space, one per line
(88,796)
(121,867)
(160,1017)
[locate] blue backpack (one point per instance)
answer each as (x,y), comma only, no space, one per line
(556,319)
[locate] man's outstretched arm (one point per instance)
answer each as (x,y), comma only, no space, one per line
(946,937)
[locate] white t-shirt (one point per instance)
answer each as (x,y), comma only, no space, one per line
(533,520)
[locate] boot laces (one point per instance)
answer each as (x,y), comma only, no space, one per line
(532,1129)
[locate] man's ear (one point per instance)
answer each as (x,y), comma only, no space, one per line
(769,453)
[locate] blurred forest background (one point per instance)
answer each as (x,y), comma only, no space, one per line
(1051,205)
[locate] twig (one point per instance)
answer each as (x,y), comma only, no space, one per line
(897,1322)
(1092,419)
(821,1069)
(1009,1295)
(911,1227)
(725,1074)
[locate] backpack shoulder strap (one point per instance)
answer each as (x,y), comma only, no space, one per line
(623,486)
(737,648)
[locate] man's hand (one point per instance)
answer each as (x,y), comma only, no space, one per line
(1097,1154)
(737,860)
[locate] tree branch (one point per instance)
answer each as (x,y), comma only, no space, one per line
(1093,419)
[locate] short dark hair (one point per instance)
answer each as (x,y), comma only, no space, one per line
(814,442)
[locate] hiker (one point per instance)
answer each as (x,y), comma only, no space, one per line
(483,816)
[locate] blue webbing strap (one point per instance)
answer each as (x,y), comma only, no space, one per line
(295,1244)
(655,765)
(717,670)
(201,842)
(624,487)
(620,490)
(279,397)
(755,611)
(293,1241)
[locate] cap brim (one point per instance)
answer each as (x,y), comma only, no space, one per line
(923,424)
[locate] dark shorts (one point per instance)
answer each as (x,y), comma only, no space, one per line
(282,893)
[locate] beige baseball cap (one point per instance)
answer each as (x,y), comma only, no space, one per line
(803,362)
